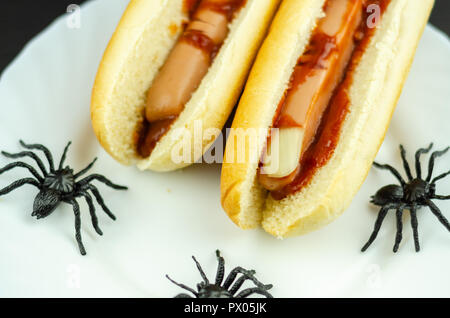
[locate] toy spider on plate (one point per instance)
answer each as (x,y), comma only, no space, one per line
(412,195)
(59,185)
(218,290)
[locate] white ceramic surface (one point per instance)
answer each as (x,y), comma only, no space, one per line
(165,218)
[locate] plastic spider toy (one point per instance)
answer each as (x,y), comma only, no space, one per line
(56,186)
(412,195)
(219,290)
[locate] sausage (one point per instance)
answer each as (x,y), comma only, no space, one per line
(314,80)
(188,62)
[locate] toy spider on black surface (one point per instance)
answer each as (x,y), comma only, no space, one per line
(56,186)
(412,195)
(217,290)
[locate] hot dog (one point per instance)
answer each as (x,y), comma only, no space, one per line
(313,81)
(328,84)
(177,79)
(168,65)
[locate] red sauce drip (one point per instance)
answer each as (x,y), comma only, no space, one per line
(227,8)
(148,134)
(318,50)
(190,6)
(322,148)
(151,133)
(201,41)
(327,137)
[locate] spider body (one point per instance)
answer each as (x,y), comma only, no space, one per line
(412,195)
(213,291)
(62,181)
(59,185)
(387,195)
(225,289)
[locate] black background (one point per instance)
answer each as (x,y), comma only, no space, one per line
(21,20)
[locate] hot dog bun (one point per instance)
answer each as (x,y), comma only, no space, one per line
(142,41)
(373,94)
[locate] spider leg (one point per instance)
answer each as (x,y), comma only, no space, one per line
(381,215)
(44,149)
(100,200)
(18,184)
(232,276)
(202,273)
(431,162)
(414,225)
(440,177)
(27,154)
(63,158)
(182,286)
(398,237)
(94,218)
(247,292)
(392,170)
(405,163)
(22,165)
(238,284)
(438,214)
(248,274)
(183,296)
(76,211)
(419,152)
(85,169)
(442,197)
(220,269)
(101,179)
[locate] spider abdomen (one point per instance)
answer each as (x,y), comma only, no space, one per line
(45,203)
(389,194)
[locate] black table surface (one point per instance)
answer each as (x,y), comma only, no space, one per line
(21,20)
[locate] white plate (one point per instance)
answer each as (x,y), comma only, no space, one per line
(165,218)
